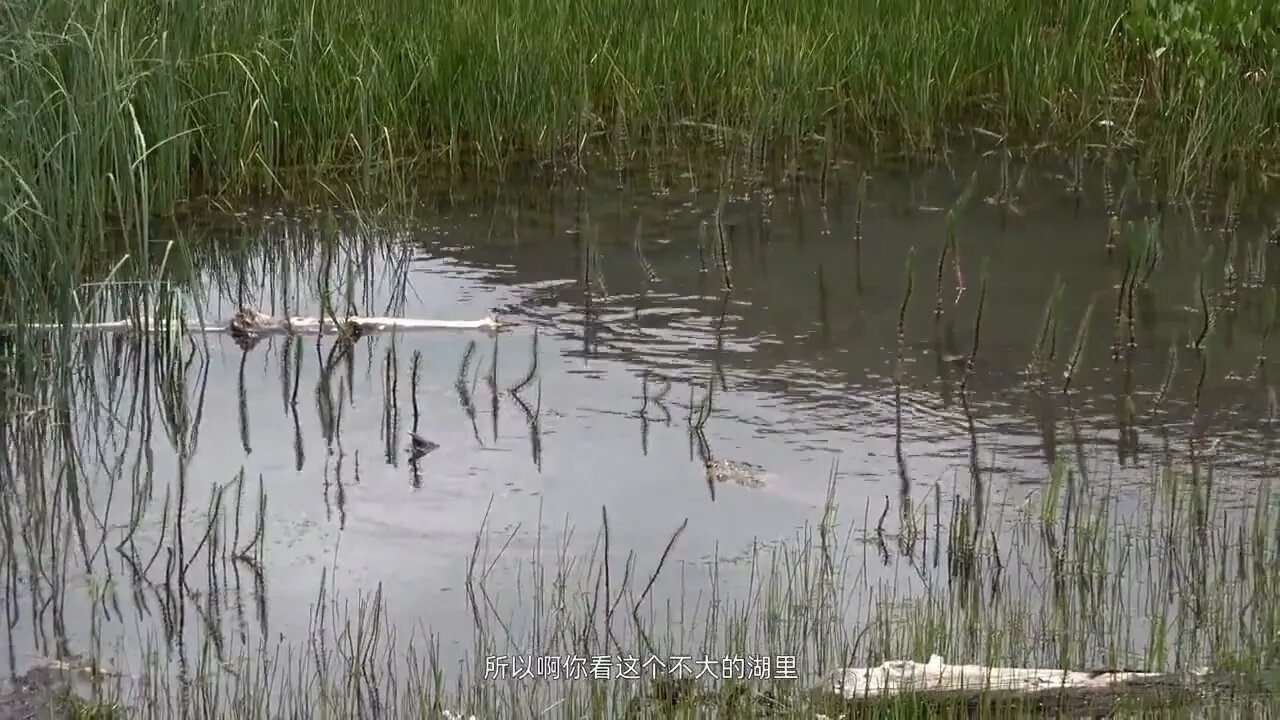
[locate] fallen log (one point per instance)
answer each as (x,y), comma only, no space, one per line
(250,322)
(937,682)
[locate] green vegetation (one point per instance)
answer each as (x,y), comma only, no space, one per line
(120,115)
(1069,576)
(1209,34)
(1078,573)
(76,709)
(117,111)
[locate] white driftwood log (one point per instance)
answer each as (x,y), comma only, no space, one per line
(266,325)
(898,677)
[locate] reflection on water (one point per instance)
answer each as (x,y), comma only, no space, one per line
(654,332)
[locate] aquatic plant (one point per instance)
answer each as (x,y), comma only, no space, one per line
(807,607)
(952,245)
(908,286)
(122,112)
(972,357)
(1207,33)
(1077,351)
(1208,311)
(1048,334)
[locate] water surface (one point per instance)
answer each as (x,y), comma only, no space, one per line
(634,325)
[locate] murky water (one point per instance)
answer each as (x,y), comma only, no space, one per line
(800,353)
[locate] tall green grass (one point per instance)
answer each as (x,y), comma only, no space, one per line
(228,96)
(118,112)
(121,109)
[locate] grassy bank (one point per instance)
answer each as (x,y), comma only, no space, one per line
(127,108)
(122,111)
(117,112)
(1065,577)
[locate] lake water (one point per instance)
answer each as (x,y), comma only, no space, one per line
(800,352)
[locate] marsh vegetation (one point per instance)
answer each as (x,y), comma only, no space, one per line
(980,289)
(118,112)
(1052,455)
